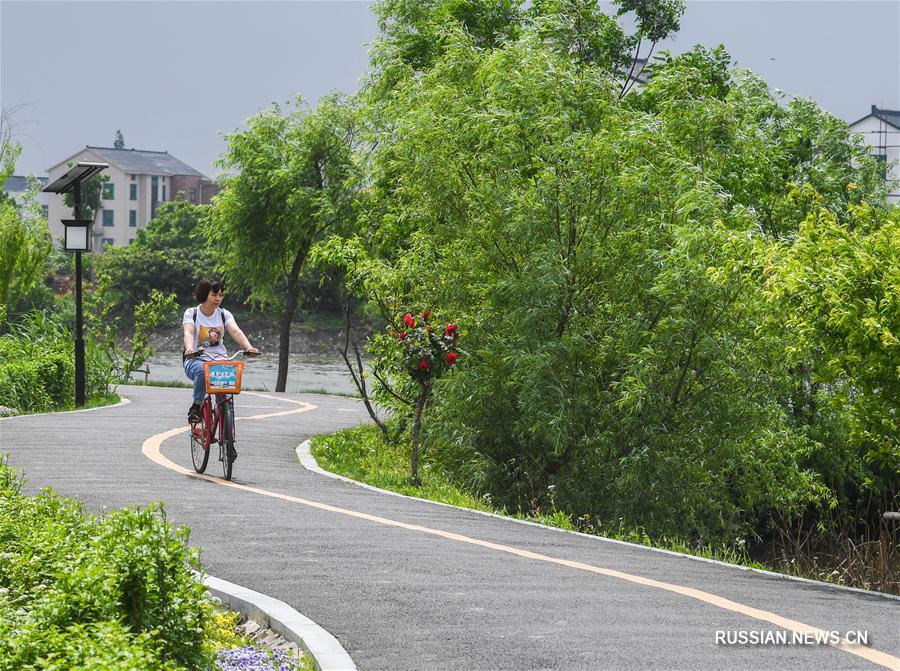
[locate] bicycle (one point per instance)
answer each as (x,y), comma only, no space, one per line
(216,423)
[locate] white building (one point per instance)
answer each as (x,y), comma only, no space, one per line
(880,129)
(139,181)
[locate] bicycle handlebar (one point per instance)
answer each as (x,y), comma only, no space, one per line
(200,350)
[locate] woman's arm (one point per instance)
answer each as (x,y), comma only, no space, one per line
(239,336)
(188,337)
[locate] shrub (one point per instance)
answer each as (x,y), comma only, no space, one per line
(95,646)
(37,366)
(110,592)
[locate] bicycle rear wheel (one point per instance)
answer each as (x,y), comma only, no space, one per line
(199,446)
(226,446)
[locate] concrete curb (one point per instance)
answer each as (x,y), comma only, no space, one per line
(308,461)
(327,653)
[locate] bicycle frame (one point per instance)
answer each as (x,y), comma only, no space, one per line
(217,422)
(214,418)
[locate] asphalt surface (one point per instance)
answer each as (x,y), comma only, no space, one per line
(400,598)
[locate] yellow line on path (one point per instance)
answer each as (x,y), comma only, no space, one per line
(151,449)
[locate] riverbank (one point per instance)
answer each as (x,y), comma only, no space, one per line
(316,334)
(314,363)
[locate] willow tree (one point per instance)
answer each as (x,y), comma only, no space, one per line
(414,33)
(591,249)
(291,182)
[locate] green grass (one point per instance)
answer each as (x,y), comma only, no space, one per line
(96,402)
(361,454)
(326,392)
(159,383)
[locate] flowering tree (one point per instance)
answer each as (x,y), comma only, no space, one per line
(425,350)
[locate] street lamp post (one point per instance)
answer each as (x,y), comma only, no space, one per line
(78,240)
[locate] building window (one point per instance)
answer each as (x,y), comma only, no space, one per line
(133,178)
(164,192)
(132,193)
(45,210)
(132,218)
(109,191)
(154,195)
(108,241)
(130,240)
(193,195)
(108,218)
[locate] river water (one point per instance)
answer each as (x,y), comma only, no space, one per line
(305,372)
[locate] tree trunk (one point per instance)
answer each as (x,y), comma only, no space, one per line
(287,317)
(284,346)
(359,374)
(420,406)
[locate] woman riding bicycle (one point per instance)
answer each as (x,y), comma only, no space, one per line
(203,327)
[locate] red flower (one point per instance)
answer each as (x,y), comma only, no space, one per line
(426,313)
(409,321)
(424,365)
(430,329)
(450,329)
(402,335)
(452,357)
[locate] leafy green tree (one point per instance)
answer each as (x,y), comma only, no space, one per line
(106,328)
(293,181)
(91,191)
(414,34)
(741,137)
(167,255)
(787,164)
(9,153)
(24,247)
(119,142)
(176,226)
(582,31)
(836,288)
(24,243)
(614,360)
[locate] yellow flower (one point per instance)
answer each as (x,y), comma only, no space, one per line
(851,186)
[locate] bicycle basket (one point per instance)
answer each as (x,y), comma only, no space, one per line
(223,377)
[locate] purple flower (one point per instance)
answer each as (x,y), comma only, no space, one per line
(254,659)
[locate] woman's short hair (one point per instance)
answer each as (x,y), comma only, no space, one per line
(207,284)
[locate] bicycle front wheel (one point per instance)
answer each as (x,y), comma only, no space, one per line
(199,447)
(226,445)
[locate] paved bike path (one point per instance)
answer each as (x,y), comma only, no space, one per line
(403,598)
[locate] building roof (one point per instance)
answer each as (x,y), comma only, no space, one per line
(890,117)
(139,161)
(19,183)
(144,162)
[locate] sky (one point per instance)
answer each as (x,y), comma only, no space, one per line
(175,76)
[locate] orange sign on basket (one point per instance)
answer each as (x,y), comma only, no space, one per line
(223,377)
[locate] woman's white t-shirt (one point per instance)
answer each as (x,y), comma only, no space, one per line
(209,332)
